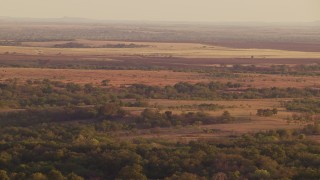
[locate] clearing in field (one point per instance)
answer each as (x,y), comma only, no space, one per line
(238,108)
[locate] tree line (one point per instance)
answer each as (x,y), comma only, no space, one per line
(78,151)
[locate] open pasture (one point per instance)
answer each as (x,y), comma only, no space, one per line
(237,108)
(243,107)
(152,49)
(218,131)
(177,56)
(116,77)
(158,78)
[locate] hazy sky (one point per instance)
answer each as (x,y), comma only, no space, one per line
(167,10)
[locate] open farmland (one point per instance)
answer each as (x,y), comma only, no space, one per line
(179,50)
(264,36)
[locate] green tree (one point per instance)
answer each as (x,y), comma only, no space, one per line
(261,174)
(18,176)
(184,176)
(3,175)
(226,116)
(72,87)
(219,176)
(133,172)
(105,82)
(55,175)
(108,110)
(275,111)
(74,176)
(38,176)
(88,88)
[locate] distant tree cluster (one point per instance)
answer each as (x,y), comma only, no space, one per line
(40,93)
(10,43)
(215,90)
(122,45)
(267,112)
(307,70)
(304,105)
(71,45)
(80,45)
(151,118)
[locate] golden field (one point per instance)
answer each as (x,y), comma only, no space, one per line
(185,50)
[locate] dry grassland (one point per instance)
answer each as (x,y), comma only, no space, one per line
(158,78)
(185,50)
(237,108)
(219,130)
(116,77)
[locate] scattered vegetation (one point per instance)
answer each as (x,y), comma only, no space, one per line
(216,90)
(53,130)
(267,112)
(304,105)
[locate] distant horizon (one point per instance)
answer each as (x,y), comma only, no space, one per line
(83,19)
(168,10)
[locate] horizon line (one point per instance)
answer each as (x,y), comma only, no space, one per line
(148,21)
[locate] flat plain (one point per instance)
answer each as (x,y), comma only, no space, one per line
(156,63)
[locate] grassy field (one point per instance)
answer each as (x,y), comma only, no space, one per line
(185,134)
(183,50)
(159,78)
(237,108)
(116,77)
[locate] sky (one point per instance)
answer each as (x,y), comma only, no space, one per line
(168,10)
